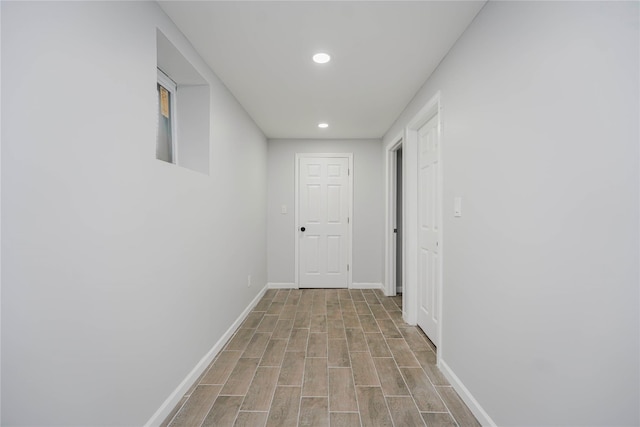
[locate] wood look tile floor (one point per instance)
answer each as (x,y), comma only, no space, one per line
(324,357)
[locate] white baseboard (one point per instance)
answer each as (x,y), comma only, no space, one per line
(174,398)
(465,395)
(282,286)
(364,285)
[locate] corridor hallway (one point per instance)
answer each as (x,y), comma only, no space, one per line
(324,357)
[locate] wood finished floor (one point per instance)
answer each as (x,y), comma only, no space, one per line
(324,357)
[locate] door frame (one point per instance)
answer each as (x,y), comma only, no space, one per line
(410,151)
(349,157)
(391,186)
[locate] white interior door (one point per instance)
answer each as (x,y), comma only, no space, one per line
(429,226)
(323,221)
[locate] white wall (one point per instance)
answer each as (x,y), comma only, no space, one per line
(540,112)
(368,192)
(120,272)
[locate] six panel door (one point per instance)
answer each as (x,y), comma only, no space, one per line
(323,216)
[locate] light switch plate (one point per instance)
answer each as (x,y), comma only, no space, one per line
(457,207)
(283,209)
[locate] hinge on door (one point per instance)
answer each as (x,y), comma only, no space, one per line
(347,267)
(348,172)
(348,219)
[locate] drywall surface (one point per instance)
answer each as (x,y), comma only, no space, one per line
(540,131)
(120,271)
(368,192)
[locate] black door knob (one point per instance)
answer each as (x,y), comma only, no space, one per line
(302,229)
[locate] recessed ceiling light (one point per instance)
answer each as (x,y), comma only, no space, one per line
(321,58)
(323,125)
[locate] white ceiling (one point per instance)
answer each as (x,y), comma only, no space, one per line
(382,53)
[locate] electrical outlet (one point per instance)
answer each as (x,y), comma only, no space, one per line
(248,281)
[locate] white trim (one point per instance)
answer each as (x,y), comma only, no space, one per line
(390,249)
(365,285)
(410,151)
(299,156)
(464,393)
(174,398)
(272,285)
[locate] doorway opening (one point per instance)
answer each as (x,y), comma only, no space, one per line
(422,293)
(398,217)
(394,234)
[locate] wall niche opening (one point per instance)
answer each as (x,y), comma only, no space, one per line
(183,109)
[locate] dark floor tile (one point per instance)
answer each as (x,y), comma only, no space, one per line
(362,307)
(319,306)
(364,371)
(369,323)
(422,390)
(344,294)
(258,397)
(282,329)
(253,320)
(427,360)
(173,413)
(461,413)
(373,408)
(281,295)
(342,391)
(388,328)
(396,316)
(195,409)
(292,369)
(390,378)
(377,345)
(339,353)
(344,419)
(224,412)
(294,297)
(257,345)
(356,341)
(270,293)
(318,323)
(438,419)
(251,419)
(268,323)
(315,378)
(370,298)
(351,320)
(263,305)
(335,328)
(404,412)
(334,311)
(275,307)
(302,319)
(388,304)
(240,340)
(285,407)
(347,307)
(416,341)
(314,412)
(221,367)
(402,353)
(240,378)
(379,312)
(274,353)
(298,340)
(356,295)
(288,312)
(317,345)
(398,300)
